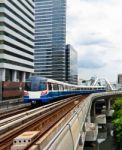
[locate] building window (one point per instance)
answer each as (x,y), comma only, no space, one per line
(8,75)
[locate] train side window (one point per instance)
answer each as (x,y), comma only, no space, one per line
(55,87)
(49,86)
(61,87)
(66,88)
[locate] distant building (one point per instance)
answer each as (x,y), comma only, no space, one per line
(71,65)
(120,79)
(50,39)
(16,39)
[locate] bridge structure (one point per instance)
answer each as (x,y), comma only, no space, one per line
(95,81)
(82,125)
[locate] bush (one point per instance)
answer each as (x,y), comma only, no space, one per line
(117,114)
(117,120)
(117,124)
(117,104)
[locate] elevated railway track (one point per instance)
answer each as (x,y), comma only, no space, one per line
(6,114)
(76,109)
(40,119)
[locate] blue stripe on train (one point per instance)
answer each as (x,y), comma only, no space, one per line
(57,94)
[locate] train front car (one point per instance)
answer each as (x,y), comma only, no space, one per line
(35,91)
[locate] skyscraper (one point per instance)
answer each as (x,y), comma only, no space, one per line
(50,38)
(16,39)
(119,78)
(71,65)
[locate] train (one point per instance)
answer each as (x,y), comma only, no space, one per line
(39,90)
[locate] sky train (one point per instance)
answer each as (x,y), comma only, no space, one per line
(40,90)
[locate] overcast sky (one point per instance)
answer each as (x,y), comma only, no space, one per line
(94,28)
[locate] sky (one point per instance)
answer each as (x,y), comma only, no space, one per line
(94,29)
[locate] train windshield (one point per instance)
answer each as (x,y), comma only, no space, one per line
(43,86)
(35,86)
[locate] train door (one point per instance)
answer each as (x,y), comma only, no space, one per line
(61,89)
(50,89)
(55,90)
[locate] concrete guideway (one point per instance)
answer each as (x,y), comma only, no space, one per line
(73,132)
(69,132)
(78,128)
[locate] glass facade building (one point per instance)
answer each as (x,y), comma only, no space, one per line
(16,39)
(50,39)
(71,65)
(119,78)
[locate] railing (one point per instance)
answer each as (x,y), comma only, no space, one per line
(10,103)
(72,134)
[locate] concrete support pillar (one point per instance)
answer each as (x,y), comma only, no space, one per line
(14,75)
(108,104)
(108,107)
(2,74)
(2,78)
(30,74)
(23,76)
(89,116)
(1,84)
(93,112)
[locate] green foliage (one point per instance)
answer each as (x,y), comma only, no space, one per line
(117,114)
(117,123)
(117,104)
(117,119)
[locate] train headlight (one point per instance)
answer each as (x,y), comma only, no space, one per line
(44,93)
(26,93)
(33,102)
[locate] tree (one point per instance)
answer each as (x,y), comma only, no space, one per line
(117,104)
(117,114)
(117,120)
(117,124)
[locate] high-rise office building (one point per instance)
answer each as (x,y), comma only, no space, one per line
(71,65)
(119,78)
(50,38)
(16,39)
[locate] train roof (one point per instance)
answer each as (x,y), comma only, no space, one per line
(63,83)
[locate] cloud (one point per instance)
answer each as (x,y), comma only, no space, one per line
(90,63)
(94,28)
(117,61)
(109,71)
(93,39)
(97,1)
(92,60)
